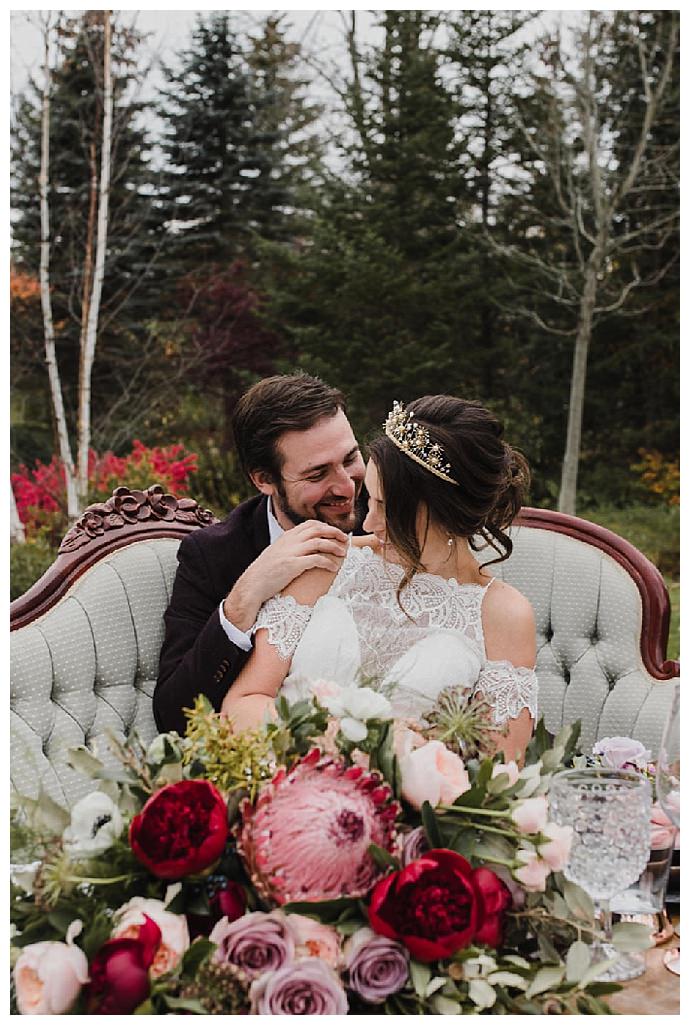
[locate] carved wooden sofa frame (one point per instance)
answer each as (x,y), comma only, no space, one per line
(85,637)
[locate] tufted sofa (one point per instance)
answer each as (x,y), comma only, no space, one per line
(85,638)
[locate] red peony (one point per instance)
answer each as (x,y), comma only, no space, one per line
(119,972)
(497,898)
(181,830)
(439,904)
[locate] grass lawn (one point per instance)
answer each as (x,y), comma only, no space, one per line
(674,633)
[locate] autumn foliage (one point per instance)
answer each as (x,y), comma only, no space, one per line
(41,495)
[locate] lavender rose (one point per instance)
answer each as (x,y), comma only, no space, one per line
(622,753)
(376,965)
(257,942)
(414,844)
(305,987)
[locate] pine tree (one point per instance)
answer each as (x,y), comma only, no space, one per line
(371,299)
(232,108)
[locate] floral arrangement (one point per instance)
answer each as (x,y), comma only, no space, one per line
(333,861)
(632,755)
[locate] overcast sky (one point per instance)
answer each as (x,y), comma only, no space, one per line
(320,32)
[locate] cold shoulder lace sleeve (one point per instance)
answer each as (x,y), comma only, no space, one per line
(285,620)
(508,689)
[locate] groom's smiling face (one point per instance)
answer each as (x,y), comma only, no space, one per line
(321,475)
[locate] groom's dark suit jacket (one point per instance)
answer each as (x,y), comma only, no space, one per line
(197,657)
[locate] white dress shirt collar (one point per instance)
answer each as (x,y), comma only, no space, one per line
(274,528)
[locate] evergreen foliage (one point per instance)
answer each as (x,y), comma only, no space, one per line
(390,270)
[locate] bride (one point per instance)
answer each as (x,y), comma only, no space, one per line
(410,605)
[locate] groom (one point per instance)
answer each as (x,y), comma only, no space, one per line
(296,446)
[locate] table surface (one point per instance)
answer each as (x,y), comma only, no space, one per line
(655,992)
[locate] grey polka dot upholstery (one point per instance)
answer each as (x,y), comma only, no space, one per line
(588,614)
(88,666)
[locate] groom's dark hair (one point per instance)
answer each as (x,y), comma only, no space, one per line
(274,405)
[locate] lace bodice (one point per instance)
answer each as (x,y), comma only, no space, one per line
(358,631)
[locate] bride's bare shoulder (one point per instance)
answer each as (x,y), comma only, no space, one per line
(509,627)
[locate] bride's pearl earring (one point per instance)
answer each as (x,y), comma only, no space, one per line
(451,540)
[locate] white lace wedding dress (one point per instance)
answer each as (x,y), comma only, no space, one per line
(357,633)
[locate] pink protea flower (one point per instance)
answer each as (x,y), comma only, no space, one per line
(306,837)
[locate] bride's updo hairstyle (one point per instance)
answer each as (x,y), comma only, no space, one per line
(492,480)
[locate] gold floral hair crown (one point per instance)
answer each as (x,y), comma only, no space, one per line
(413,439)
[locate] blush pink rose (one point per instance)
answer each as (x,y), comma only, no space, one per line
(510,770)
(533,872)
(313,939)
(433,773)
(174,940)
(530,815)
(557,850)
(405,738)
(664,833)
(48,977)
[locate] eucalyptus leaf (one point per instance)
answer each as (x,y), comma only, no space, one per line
(420,974)
(481,993)
(577,961)
(82,760)
(444,1005)
(490,847)
(520,962)
(436,983)
(50,815)
(144,1008)
(189,1004)
(503,978)
(629,937)
(578,900)
(595,970)
(548,977)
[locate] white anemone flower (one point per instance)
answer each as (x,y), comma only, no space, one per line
(95,824)
(355,706)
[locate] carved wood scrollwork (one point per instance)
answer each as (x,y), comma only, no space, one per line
(127,507)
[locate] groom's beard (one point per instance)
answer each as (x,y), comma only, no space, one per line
(347,523)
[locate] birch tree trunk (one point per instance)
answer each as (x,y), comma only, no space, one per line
(46,306)
(88,350)
(567,496)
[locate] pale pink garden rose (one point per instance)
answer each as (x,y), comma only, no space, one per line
(664,833)
(530,815)
(433,773)
(509,769)
(557,850)
(48,976)
(534,871)
(174,941)
(313,939)
(405,738)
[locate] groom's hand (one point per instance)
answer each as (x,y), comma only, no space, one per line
(310,545)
